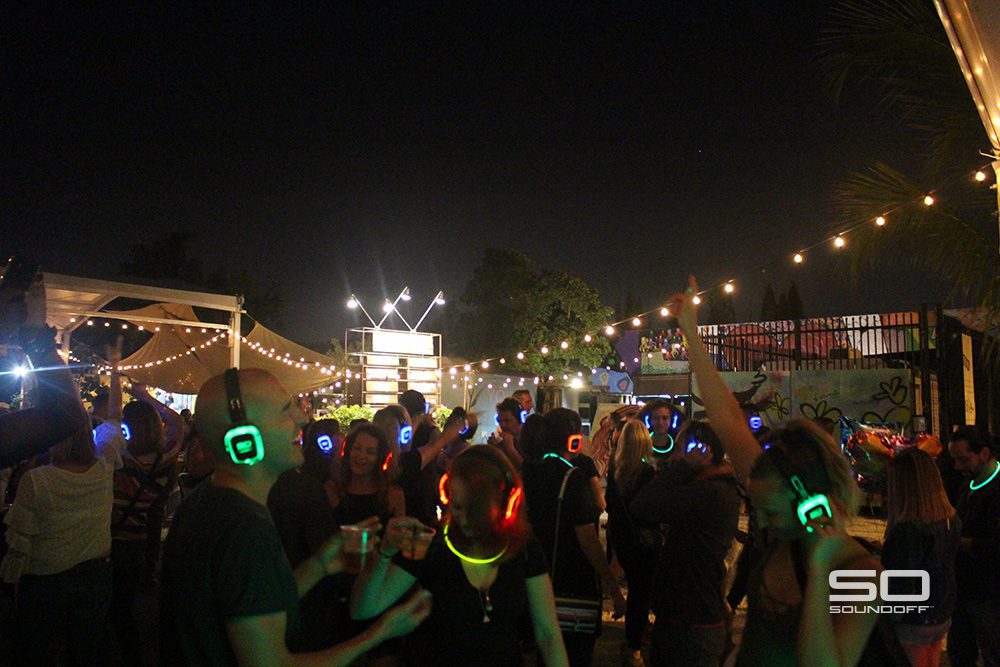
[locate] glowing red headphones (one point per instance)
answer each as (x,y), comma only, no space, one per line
(512,493)
(574,443)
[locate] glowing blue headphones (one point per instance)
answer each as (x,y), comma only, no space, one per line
(700,446)
(756,422)
(670,438)
(405,434)
(126,432)
(325,443)
(522,417)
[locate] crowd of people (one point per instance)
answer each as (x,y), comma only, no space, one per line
(398,541)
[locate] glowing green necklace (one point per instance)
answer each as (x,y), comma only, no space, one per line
(470,559)
(553,455)
(974,487)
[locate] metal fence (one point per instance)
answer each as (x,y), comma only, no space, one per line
(891,340)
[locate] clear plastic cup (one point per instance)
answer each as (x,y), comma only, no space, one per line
(415,541)
(359,543)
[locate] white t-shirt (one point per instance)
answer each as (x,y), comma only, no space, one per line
(60,518)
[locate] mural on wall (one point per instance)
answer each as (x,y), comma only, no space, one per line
(663,352)
(767,394)
(877,395)
(616,382)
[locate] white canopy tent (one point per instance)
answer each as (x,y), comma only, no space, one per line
(184,351)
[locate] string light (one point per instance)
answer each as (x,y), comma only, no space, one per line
(728,287)
(564,345)
(485,365)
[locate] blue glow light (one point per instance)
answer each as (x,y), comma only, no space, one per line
(673,424)
(325,443)
(405,434)
(126,431)
(700,446)
(756,422)
(523,416)
(649,427)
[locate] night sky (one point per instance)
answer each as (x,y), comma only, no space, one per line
(338,148)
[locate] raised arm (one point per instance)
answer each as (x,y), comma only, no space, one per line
(433,449)
(720,404)
(172,420)
(59,411)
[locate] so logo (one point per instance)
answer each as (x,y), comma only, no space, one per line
(870,586)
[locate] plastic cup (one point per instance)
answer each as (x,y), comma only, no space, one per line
(359,543)
(415,541)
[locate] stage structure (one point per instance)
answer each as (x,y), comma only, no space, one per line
(392,361)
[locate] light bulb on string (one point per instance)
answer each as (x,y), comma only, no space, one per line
(838,241)
(928,200)
(798,258)
(520,356)
(729,287)
(545,349)
(485,365)
(587,338)
(609,330)
(880,221)
(564,345)
(696,300)
(980,176)
(636,321)
(664,312)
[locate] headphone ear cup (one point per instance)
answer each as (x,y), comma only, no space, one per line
(385,465)
(245,444)
(443,489)
(513,503)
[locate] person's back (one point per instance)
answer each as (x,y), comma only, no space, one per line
(222,559)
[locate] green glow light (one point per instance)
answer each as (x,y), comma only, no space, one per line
(470,559)
(552,455)
(974,487)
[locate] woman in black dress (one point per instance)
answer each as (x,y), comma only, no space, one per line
(483,569)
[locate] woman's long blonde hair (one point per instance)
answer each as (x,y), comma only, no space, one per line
(635,448)
(915,491)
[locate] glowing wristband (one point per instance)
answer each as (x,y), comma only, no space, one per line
(975,487)
(470,559)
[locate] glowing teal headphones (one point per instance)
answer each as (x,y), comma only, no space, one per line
(243,440)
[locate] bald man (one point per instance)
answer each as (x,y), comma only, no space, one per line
(229,596)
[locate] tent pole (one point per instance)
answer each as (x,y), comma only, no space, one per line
(236,338)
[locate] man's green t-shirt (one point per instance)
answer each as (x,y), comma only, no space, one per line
(222,560)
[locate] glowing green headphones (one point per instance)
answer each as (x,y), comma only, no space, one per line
(243,440)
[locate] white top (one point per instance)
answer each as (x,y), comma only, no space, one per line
(60,518)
